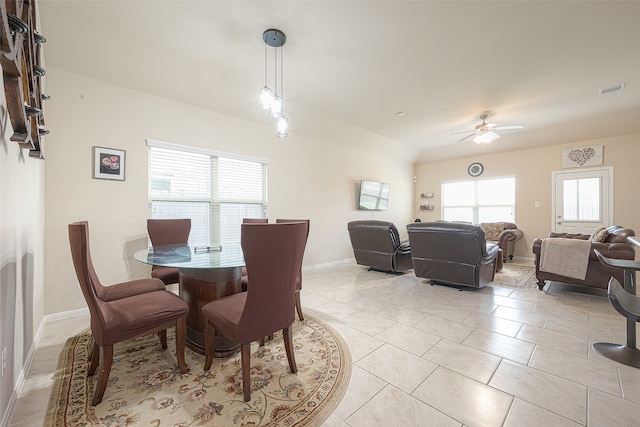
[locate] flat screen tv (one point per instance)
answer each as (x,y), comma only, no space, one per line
(374,196)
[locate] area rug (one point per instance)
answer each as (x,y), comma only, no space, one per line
(146,388)
(516,276)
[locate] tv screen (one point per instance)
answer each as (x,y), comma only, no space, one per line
(374,196)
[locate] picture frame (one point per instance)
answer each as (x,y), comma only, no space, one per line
(108,163)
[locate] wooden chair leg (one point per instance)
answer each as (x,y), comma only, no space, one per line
(181,332)
(209,345)
(106,359)
(299,306)
(163,338)
(288,345)
(245,357)
(94,359)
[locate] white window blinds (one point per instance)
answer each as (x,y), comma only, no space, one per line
(215,190)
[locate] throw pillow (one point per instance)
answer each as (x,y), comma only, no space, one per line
(599,234)
(492,230)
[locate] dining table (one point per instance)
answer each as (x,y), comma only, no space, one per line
(206,273)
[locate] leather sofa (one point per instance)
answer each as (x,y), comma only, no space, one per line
(504,234)
(452,253)
(614,246)
(377,244)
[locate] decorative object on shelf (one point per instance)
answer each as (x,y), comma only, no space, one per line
(427,206)
(271,100)
(427,195)
(475,169)
(20,58)
(108,163)
(580,157)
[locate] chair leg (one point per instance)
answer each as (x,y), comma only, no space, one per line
(299,306)
(163,338)
(288,345)
(209,345)
(181,332)
(245,356)
(94,359)
(106,359)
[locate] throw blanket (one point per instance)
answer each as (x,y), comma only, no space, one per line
(565,257)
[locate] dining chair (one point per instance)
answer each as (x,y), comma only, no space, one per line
(299,279)
(245,279)
(273,255)
(123,311)
(168,232)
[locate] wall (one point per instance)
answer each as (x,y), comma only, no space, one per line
(308,178)
(532,169)
(21,254)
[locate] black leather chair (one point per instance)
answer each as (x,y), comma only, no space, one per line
(377,244)
(452,254)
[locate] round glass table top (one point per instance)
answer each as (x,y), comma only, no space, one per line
(192,256)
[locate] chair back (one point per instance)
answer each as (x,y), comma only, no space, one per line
(273,257)
(91,287)
(447,251)
(255,220)
(169,231)
(308,223)
(374,243)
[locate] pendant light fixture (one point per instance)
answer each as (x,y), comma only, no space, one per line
(272,100)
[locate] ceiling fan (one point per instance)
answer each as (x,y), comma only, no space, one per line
(485,132)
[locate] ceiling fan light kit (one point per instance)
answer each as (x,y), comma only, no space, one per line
(484,133)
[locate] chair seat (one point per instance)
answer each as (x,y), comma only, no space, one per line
(625,303)
(127,289)
(168,275)
(138,314)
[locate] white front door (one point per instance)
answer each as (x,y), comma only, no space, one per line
(582,200)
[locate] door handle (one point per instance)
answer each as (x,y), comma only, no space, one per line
(559,223)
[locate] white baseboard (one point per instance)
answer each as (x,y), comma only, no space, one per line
(329,264)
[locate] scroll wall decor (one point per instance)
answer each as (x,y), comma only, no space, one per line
(20,57)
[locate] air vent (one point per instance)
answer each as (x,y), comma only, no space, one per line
(612,89)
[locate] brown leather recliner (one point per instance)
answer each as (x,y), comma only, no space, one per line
(506,238)
(377,244)
(452,253)
(598,275)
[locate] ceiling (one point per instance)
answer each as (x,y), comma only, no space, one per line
(442,63)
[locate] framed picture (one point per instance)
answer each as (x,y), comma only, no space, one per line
(108,163)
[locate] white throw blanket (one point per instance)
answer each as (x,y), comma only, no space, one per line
(565,257)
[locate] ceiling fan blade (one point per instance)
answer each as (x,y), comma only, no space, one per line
(466,137)
(464,131)
(506,127)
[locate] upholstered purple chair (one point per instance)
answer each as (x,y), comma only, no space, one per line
(245,280)
(273,255)
(123,311)
(299,280)
(168,232)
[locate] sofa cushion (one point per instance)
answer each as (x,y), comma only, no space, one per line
(492,230)
(599,234)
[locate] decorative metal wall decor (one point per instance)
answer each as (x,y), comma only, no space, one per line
(580,157)
(20,58)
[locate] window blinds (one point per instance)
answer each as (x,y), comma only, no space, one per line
(215,190)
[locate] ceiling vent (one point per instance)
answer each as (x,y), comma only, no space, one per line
(612,89)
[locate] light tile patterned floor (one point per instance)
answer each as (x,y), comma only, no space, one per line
(435,356)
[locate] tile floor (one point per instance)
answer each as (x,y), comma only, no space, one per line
(434,356)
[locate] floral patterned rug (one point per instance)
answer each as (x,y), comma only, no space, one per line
(146,388)
(516,276)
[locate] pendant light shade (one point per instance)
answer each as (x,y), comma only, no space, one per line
(272,100)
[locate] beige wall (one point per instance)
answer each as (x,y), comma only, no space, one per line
(21,253)
(532,169)
(308,178)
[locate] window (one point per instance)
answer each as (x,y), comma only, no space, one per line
(215,190)
(486,200)
(581,199)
